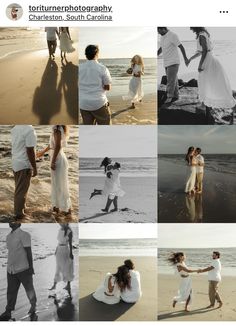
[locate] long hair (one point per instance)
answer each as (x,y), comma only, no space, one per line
(123,278)
(65,129)
(174,257)
(187,156)
(198,30)
(137,59)
(129,264)
(105,162)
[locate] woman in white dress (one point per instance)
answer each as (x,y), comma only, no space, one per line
(64,258)
(60,196)
(134,293)
(65,42)
(112,286)
(185,288)
(135,85)
(213,84)
(191,171)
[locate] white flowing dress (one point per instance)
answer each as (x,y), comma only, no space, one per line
(64,264)
(191,177)
(185,287)
(65,42)
(60,196)
(135,86)
(112,186)
(102,293)
(213,84)
(134,293)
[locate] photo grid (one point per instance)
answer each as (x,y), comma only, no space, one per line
(126,212)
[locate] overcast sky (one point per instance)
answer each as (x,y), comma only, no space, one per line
(117,231)
(118,141)
(119,42)
(211,139)
(189,235)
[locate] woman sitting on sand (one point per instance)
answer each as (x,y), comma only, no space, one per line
(65,42)
(213,84)
(185,288)
(191,172)
(134,293)
(113,285)
(135,85)
(112,186)
(64,257)
(59,170)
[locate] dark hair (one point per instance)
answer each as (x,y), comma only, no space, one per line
(162,28)
(198,30)
(198,149)
(117,165)
(64,127)
(91,51)
(129,264)
(105,162)
(123,278)
(217,253)
(187,156)
(174,257)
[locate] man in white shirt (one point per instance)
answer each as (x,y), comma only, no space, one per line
(94,82)
(52,34)
(23,138)
(214,278)
(169,48)
(200,170)
(134,293)
(19,269)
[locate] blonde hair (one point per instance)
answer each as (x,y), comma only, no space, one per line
(138,60)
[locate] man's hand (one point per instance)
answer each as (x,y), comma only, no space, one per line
(200,69)
(31,270)
(34,172)
(53,166)
(71,256)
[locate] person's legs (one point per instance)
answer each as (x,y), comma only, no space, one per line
(199,181)
(211,293)
(115,203)
(103,115)
(27,281)
(108,204)
(172,87)
(87,117)
(216,293)
(49,48)
(54,46)
(187,303)
(22,183)
(13,284)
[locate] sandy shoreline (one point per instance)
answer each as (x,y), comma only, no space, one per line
(92,271)
(137,206)
(217,203)
(54,308)
(36,90)
(167,289)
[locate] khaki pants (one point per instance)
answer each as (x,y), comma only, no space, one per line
(213,292)
(22,183)
(172,88)
(101,116)
(199,181)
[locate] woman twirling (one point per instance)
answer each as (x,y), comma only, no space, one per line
(113,285)
(60,197)
(185,288)
(213,84)
(65,42)
(191,171)
(135,85)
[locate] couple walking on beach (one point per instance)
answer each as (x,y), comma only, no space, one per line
(213,85)
(195,165)
(185,291)
(20,268)
(63,34)
(112,187)
(24,141)
(95,80)
(124,285)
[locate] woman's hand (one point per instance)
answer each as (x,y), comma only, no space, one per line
(200,69)
(71,256)
(53,166)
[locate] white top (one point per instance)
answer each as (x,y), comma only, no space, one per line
(137,69)
(22,136)
(200,159)
(61,238)
(63,137)
(182,272)
(208,42)
(169,45)
(92,78)
(215,274)
(51,33)
(134,293)
(17,259)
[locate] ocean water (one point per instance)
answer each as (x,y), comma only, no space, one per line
(199,258)
(224,163)
(120,79)
(130,167)
(118,247)
(43,240)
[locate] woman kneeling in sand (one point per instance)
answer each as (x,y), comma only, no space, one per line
(113,285)
(185,288)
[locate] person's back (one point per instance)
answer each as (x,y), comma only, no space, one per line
(134,293)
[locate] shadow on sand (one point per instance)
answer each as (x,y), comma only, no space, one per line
(182,313)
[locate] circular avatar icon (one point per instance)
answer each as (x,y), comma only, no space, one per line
(14,11)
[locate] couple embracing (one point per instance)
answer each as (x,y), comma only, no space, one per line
(195,166)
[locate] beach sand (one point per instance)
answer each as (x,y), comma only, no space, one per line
(167,289)
(54,308)
(92,272)
(36,90)
(217,203)
(138,205)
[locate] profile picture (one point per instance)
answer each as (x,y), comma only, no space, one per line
(14,11)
